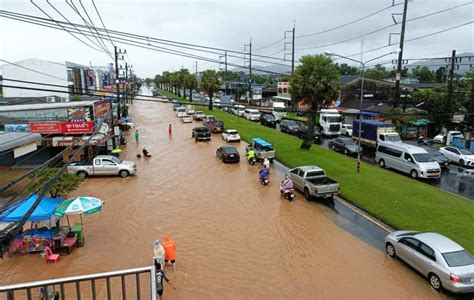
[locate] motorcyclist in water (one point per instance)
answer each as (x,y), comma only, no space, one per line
(145,152)
(286,185)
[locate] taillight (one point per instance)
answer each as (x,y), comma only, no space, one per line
(455,278)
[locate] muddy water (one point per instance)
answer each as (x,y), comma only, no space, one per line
(235,238)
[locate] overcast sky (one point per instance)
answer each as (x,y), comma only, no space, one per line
(231,24)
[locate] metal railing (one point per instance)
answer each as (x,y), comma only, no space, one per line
(80,286)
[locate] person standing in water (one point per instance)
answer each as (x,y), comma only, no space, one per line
(158,255)
(137,135)
(160,276)
(170,250)
(170,130)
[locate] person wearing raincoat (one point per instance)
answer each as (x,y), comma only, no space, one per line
(170,250)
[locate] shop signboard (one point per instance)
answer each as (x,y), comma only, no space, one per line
(77,127)
(17,127)
(25,149)
(101,110)
(79,114)
(50,127)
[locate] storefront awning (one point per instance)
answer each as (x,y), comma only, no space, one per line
(66,141)
(420,122)
(12,140)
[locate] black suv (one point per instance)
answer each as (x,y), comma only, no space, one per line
(201,133)
(290,126)
(304,130)
(268,120)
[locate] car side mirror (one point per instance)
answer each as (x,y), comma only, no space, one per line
(410,160)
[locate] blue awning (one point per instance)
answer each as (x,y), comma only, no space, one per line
(370,113)
(43,211)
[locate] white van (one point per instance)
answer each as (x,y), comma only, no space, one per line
(252,114)
(181,111)
(238,110)
(406,158)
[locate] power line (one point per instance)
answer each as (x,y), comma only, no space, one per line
(94,27)
(269,45)
(349,23)
(383,28)
(93,3)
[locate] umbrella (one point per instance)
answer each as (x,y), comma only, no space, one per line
(116,151)
(79,205)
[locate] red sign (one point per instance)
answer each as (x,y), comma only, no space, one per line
(45,127)
(101,109)
(77,127)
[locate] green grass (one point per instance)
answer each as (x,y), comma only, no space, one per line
(293,116)
(395,199)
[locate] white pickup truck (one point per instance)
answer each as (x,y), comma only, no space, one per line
(313,182)
(103,165)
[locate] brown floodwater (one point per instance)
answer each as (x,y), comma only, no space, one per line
(235,238)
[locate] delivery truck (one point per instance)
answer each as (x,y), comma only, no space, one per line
(374,132)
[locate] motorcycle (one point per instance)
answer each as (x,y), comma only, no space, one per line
(146,153)
(264,180)
(288,194)
(252,161)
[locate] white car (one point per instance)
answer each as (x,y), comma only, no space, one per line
(181,112)
(190,110)
(238,110)
(439,139)
(463,157)
(186,119)
(231,135)
(346,129)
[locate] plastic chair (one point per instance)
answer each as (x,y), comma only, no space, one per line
(50,256)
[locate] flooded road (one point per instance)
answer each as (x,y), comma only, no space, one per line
(235,238)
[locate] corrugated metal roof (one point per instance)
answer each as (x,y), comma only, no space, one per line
(45,106)
(11,140)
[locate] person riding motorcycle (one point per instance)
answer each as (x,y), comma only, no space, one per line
(263,172)
(250,154)
(286,185)
(145,152)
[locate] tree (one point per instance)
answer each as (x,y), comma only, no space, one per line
(345,69)
(315,81)
(439,74)
(423,74)
(379,72)
(181,81)
(210,84)
(173,82)
(65,184)
(190,83)
(75,98)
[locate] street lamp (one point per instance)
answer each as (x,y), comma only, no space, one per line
(362,69)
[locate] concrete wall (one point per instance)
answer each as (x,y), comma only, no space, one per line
(57,70)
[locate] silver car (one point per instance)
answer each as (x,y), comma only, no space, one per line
(445,263)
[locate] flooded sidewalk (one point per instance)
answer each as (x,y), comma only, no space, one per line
(235,238)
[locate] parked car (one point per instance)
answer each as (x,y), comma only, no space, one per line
(201,133)
(407,158)
(238,110)
(176,104)
(346,145)
(198,115)
(190,109)
(346,129)
(425,142)
(252,114)
(268,120)
(214,125)
(313,182)
(442,261)
(181,112)
(290,127)
(231,135)
(103,165)
(442,160)
(439,139)
(304,130)
(463,157)
(186,119)
(228,154)
(263,149)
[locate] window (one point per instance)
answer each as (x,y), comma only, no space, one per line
(423,157)
(450,149)
(408,157)
(390,151)
(97,162)
(427,251)
(458,258)
(285,90)
(410,242)
(382,137)
(296,172)
(106,162)
(465,152)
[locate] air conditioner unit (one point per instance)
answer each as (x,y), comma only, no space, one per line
(50,99)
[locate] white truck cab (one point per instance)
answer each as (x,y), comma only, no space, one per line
(278,110)
(330,121)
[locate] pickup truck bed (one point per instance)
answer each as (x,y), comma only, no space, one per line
(321,181)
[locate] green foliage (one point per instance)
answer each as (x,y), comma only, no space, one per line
(345,69)
(65,184)
(423,74)
(231,75)
(75,98)
(378,72)
(315,81)
(210,84)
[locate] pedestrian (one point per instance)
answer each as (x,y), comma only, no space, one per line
(137,135)
(160,275)
(170,130)
(158,254)
(170,250)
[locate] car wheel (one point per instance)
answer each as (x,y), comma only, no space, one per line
(306,194)
(414,174)
(82,174)
(462,163)
(124,173)
(345,151)
(434,281)
(390,250)
(382,163)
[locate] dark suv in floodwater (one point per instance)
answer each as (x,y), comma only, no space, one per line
(201,133)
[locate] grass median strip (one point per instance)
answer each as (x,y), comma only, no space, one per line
(391,197)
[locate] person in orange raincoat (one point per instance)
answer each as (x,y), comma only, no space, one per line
(170,250)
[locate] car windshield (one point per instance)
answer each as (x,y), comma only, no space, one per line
(230,150)
(335,119)
(314,174)
(116,160)
(232,132)
(212,119)
(423,157)
(465,152)
(349,127)
(199,113)
(201,129)
(458,258)
(393,138)
(349,143)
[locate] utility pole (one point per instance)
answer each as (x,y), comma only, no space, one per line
(400,56)
(450,82)
(250,71)
(126,83)
(196,69)
(225,76)
(117,84)
(293,50)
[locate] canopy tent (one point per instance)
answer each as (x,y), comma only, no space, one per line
(420,122)
(44,211)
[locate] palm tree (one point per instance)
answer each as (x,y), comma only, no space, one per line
(182,74)
(210,83)
(174,82)
(315,81)
(190,82)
